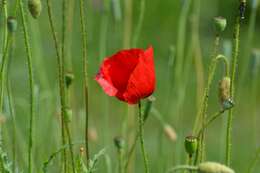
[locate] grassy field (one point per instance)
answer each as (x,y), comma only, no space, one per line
(43,119)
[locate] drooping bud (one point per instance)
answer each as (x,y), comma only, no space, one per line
(220,24)
(35,8)
(69,77)
(170,132)
(191,145)
(224,93)
(212,167)
(224,89)
(11,24)
(119,142)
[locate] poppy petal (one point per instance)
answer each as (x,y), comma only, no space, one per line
(141,83)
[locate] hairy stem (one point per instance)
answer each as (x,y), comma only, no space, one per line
(85,73)
(141,129)
(31,84)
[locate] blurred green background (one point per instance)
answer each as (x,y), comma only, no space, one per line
(172,32)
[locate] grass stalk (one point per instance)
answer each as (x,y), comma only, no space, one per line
(31,84)
(85,73)
(141,129)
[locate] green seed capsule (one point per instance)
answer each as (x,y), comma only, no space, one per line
(35,8)
(212,167)
(11,24)
(191,145)
(220,24)
(69,77)
(119,142)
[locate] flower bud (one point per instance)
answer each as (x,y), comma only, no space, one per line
(220,24)
(170,132)
(119,142)
(69,77)
(224,89)
(191,145)
(212,167)
(35,8)
(11,24)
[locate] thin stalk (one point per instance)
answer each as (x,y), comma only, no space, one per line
(120,161)
(61,69)
(5,48)
(203,111)
(2,69)
(141,129)
(140,23)
(31,85)
(147,110)
(85,72)
(232,90)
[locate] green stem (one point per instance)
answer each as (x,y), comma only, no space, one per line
(232,90)
(31,85)
(203,112)
(61,69)
(85,72)
(120,161)
(141,129)
(140,23)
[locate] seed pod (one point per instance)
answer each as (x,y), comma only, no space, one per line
(11,24)
(191,145)
(212,167)
(224,89)
(170,132)
(220,24)
(69,77)
(35,8)
(119,142)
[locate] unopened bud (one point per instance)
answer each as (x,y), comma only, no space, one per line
(170,132)
(11,24)
(35,8)
(69,77)
(212,167)
(220,24)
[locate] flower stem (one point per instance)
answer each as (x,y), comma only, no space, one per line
(202,114)
(232,90)
(31,84)
(141,129)
(61,69)
(85,73)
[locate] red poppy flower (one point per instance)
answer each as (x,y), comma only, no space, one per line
(128,75)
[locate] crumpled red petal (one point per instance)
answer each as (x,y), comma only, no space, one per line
(128,75)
